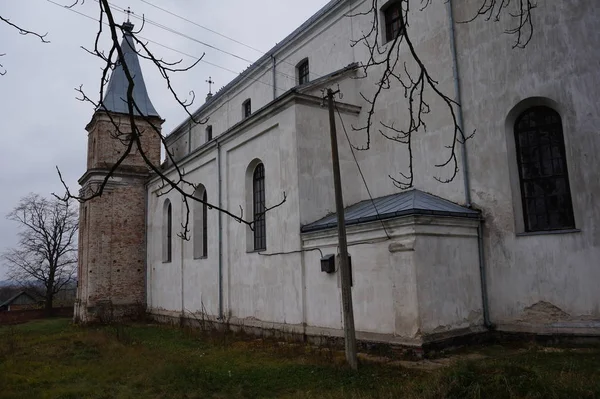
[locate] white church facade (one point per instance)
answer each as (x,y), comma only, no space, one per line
(511,243)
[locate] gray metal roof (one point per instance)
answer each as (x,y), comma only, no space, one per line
(115,98)
(14,297)
(413,202)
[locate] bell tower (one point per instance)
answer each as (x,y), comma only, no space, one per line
(112,246)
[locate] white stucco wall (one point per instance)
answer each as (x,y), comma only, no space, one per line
(419,282)
(524,271)
(560,65)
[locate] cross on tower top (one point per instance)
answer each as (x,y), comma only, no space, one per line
(129,12)
(210,83)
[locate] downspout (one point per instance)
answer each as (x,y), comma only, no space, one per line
(274,78)
(189,149)
(467,186)
(482,274)
(220,218)
(458,99)
(147,278)
(182,275)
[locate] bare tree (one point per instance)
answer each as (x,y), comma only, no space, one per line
(46,253)
(387,62)
(131,138)
(399,65)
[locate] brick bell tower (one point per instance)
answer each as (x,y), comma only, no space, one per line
(112,247)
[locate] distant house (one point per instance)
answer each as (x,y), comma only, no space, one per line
(20,301)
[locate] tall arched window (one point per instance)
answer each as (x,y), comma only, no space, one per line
(258,205)
(200,224)
(167,232)
(543,173)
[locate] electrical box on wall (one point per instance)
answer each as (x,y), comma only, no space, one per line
(328,264)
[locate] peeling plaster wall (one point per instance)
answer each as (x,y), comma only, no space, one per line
(255,286)
(560,64)
(535,279)
(421,282)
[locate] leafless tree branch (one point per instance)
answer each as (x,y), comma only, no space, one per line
(130,134)
(23,32)
(397,64)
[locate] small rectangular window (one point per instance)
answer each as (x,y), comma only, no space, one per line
(209,134)
(303,72)
(247,108)
(393,21)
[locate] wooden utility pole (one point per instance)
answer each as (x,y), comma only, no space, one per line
(348,312)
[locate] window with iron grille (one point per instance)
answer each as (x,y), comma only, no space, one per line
(303,72)
(258,200)
(204,225)
(209,133)
(247,108)
(393,20)
(543,174)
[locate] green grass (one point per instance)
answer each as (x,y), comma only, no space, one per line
(54,359)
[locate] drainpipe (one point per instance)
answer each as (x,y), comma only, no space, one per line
(147,276)
(182,273)
(189,149)
(482,275)
(220,218)
(458,99)
(274,78)
(467,186)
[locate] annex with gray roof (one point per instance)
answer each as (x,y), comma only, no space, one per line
(413,202)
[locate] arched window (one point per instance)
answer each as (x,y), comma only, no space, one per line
(200,224)
(167,232)
(246,108)
(258,207)
(543,174)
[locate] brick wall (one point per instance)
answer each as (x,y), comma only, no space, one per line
(112,227)
(104,148)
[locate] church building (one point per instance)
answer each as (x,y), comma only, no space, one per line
(511,242)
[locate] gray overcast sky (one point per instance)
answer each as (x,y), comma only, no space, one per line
(43,125)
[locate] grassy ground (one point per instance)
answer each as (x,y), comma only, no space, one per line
(53,359)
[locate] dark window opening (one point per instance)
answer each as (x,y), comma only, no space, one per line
(209,135)
(204,225)
(247,108)
(259,206)
(169,233)
(543,176)
(393,20)
(303,72)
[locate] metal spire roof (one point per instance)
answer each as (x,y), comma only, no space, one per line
(115,98)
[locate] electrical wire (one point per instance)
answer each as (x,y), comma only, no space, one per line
(293,252)
(203,27)
(360,171)
(169,48)
(178,33)
(219,34)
